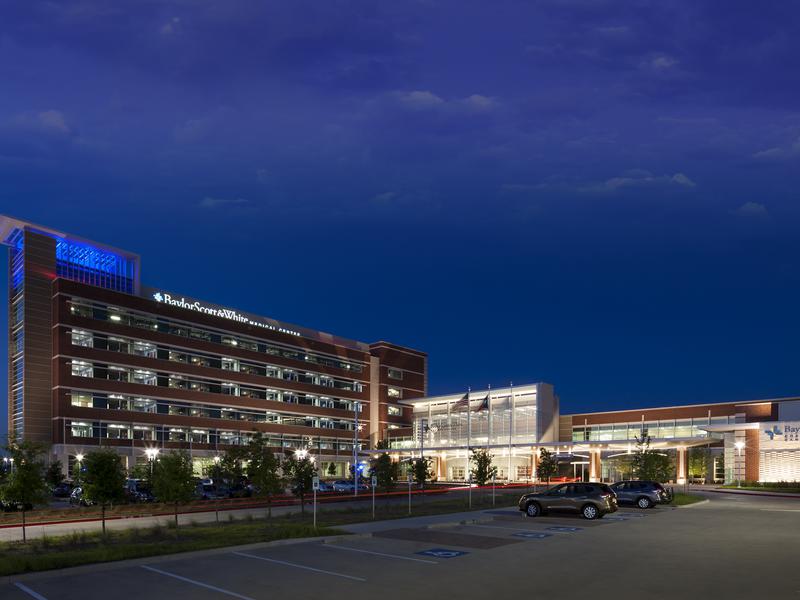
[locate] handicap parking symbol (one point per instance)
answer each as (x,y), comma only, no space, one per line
(564,529)
(532,535)
(442,553)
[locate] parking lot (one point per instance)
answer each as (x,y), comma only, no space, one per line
(729,545)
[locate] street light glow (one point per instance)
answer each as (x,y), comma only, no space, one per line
(79,457)
(738,445)
(151,453)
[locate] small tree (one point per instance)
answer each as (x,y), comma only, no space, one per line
(173,479)
(699,462)
(25,484)
(548,466)
(483,469)
(421,470)
(141,471)
(649,464)
(386,471)
(104,480)
(299,472)
(54,474)
(332,469)
(229,469)
(263,470)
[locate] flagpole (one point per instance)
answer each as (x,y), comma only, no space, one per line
(510,430)
(489,407)
(469,431)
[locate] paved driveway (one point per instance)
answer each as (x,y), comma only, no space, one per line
(731,547)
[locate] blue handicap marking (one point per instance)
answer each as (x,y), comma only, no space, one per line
(615,519)
(442,553)
(565,529)
(533,535)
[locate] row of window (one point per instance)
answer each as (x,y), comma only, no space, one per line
(98,430)
(80,368)
(189,409)
(662,429)
(123,345)
(150,322)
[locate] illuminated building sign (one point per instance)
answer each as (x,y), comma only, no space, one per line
(216,311)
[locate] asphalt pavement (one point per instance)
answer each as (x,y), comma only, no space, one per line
(730,546)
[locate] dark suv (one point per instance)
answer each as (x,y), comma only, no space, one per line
(590,500)
(644,494)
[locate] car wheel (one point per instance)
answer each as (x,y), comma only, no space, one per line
(533,510)
(644,502)
(590,512)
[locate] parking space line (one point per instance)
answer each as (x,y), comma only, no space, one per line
(197,583)
(338,547)
(307,568)
(29,591)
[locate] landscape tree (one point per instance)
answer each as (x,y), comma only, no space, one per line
(25,484)
(229,469)
(173,479)
(548,466)
(332,469)
(421,470)
(141,470)
(483,470)
(103,480)
(648,463)
(54,474)
(299,472)
(385,470)
(264,470)
(699,462)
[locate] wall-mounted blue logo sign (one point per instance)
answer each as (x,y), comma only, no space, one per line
(158,297)
(443,553)
(773,432)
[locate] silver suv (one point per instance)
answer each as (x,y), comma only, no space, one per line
(590,500)
(644,494)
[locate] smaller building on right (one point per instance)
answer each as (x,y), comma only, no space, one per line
(746,441)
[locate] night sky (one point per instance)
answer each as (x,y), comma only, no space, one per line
(601,195)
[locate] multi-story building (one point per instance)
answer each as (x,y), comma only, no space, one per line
(97,359)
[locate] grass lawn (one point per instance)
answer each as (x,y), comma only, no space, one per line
(82,548)
(681,499)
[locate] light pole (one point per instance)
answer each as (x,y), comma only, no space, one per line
(739,446)
(152,454)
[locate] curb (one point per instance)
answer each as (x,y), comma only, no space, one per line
(148,560)
(761,494)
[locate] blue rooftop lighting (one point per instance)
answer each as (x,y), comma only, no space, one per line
(89,264)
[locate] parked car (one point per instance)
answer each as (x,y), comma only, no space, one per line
(644,494)
(590,500)
(324,486)
(137,491)
(343,485)
(207,491)
(62,490)
(77,497)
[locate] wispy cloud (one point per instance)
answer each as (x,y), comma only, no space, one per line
(752,210)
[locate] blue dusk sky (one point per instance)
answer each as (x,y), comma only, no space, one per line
(601,195)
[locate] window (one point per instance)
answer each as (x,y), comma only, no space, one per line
(395,411)
(144,349)
(81,338)
(82,400)
(82,369)
(81,429)
(394,392)
(144,377)
(395,374)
